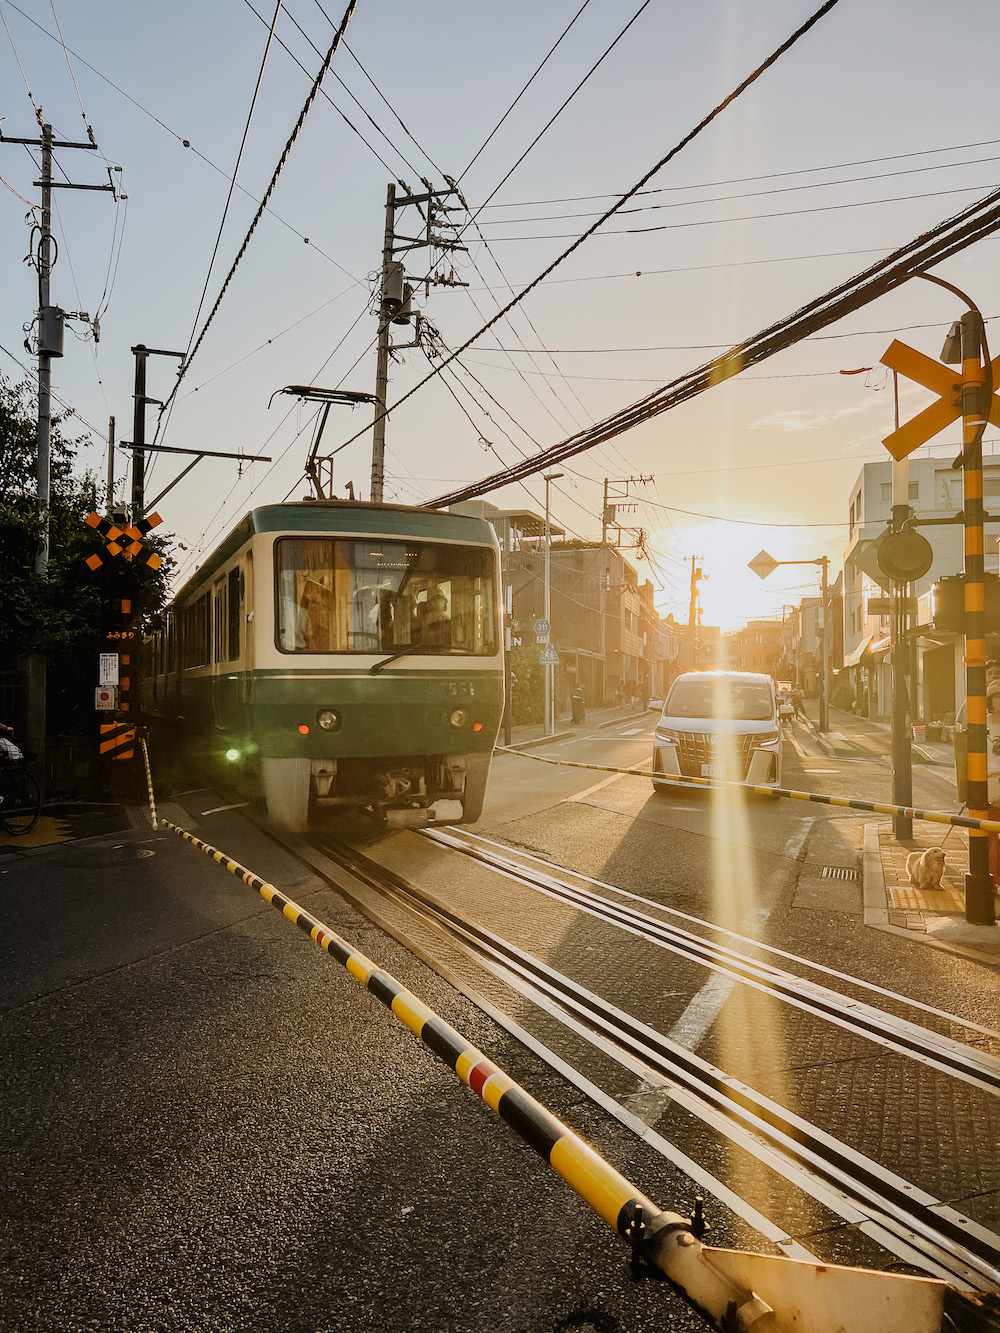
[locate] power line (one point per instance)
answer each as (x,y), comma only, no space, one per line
(186,363)
(754,194)
(185,143)
(691,135)
(748,180)
(517,99)
(751,217)
(236,168)
(926,251)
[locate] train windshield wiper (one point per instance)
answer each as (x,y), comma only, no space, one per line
(405,650)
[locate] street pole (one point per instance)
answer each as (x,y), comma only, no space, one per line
(824,694)
(43,468)
(385,314)
(549,670)
(979,881)
(902,758)
(140,352)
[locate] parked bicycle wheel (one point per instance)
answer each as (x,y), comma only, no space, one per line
(20,801)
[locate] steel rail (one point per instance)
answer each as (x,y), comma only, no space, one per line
(908,1221)
(956,1019)
(931,1048)
(848,802)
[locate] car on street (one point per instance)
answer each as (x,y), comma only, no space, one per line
(718,724)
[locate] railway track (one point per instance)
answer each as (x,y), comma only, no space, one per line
(917,1228)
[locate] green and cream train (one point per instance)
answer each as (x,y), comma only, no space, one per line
(335,653)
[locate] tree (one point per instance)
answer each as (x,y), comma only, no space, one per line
(65,613)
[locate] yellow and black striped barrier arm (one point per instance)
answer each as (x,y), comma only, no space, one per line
(618,1202)
(933,816)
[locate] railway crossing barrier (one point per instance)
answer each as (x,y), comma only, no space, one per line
(734,1290)
(852,803)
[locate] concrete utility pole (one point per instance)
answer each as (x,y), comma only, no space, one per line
(694,614)
(50,327)
(50,331)
(395,293)
(387,308)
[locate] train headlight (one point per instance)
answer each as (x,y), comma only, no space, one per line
(232,755)
(459,717)
(328,719)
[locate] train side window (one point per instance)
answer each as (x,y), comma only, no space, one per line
(218,653)
(235,591)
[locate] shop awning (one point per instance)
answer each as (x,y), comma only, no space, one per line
(881,646)
(854,657)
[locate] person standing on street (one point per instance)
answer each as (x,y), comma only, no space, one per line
(799,702)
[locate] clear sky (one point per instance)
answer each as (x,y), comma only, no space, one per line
(879,123)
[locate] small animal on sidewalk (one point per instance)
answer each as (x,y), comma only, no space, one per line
(926,868)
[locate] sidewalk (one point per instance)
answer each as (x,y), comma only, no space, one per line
(891,902)
(527,736)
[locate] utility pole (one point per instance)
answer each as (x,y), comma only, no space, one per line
(139,400)
(48,346)
(396,292)
(109,500)
(50,321)
(694,614)
(388,306)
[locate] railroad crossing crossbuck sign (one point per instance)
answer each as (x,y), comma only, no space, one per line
(943,380)
(129,549)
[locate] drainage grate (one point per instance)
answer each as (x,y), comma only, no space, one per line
(839,872)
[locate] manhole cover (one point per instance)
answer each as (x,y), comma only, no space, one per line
(838,872)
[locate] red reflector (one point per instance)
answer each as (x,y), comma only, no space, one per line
(303,729)
(477,726)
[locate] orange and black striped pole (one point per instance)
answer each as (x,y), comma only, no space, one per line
(979,881)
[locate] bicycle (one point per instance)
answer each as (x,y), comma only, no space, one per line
(20,797)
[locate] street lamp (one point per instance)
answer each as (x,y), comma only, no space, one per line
(762,565)
(549,477)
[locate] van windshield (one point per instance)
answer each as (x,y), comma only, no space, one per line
(720,697)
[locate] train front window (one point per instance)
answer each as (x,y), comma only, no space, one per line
(372,596)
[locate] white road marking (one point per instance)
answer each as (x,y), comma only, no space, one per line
(605,782)
(218,809)
(650,1101)
(632,731)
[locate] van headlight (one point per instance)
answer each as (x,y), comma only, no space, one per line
(665,734)
(769,739)
(328,719)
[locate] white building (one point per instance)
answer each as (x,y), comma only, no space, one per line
(935,492)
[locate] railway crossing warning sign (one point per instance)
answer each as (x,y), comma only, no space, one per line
(946,381)
(126,541)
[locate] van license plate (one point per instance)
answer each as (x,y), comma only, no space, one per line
(713,770)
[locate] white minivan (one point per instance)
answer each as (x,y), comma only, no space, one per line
(719,724)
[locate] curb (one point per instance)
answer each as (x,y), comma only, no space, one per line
(541,740)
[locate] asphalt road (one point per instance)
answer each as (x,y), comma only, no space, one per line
(209,1126)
